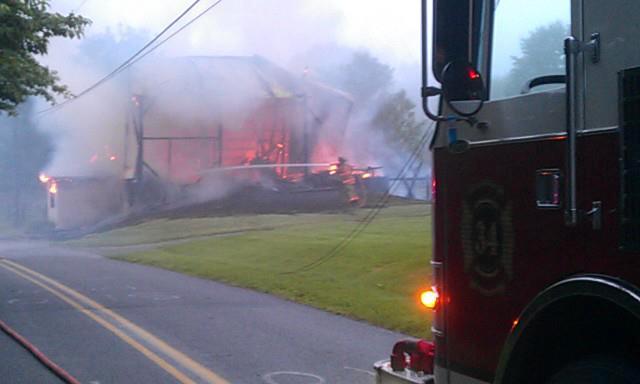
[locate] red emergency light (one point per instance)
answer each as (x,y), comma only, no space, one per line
(473,74)
(421,355)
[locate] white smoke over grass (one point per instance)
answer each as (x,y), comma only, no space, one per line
(94,123)
(90,131)
(370,147)
(373,137)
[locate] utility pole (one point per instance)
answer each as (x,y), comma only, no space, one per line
(305,133)
(134,186)
(16,176)
(139,130)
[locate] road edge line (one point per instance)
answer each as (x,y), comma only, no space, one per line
(175,354)
(159,361)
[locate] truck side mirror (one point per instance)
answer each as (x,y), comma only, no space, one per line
(463,88)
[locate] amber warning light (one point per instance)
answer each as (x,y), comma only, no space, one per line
(429,298)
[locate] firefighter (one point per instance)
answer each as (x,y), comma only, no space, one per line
(345,172)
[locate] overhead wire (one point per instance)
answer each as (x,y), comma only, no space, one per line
(125,64)
(347,239)
(76,9)
(177,31)
(368,219)
(371,215)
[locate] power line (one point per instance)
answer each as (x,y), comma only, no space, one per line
(177,31)
(122,66)
(79,6)
(372,214)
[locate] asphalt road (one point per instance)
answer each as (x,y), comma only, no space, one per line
(107,321)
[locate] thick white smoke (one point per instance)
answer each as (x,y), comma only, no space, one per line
(89,132)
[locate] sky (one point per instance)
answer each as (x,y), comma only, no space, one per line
(295,34)
(277,29)
(282,30)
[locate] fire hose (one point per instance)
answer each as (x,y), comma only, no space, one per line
(421,354)
(44,360)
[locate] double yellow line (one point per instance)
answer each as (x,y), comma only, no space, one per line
(174,362)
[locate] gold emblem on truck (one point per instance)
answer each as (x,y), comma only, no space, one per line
(487,238)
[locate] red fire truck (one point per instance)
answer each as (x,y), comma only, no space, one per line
(536,259)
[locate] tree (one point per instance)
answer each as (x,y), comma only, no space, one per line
(109,49)
(392,113)
(25,30)
(364,77)
(396,118)
(376,105)
(542,54)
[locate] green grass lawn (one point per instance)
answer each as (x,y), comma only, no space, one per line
(375,278)
(176,229)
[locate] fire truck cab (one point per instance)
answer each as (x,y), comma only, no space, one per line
(536,256)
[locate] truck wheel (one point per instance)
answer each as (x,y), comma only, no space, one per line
(598,370)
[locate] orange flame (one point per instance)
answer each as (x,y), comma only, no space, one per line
(53,188)
(44,178)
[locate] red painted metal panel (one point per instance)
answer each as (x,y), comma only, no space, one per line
(532,248)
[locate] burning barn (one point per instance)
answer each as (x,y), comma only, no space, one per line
(199,128)
(193,114)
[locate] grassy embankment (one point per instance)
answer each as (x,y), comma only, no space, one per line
(375,278)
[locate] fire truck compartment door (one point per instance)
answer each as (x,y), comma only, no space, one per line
(618,23)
